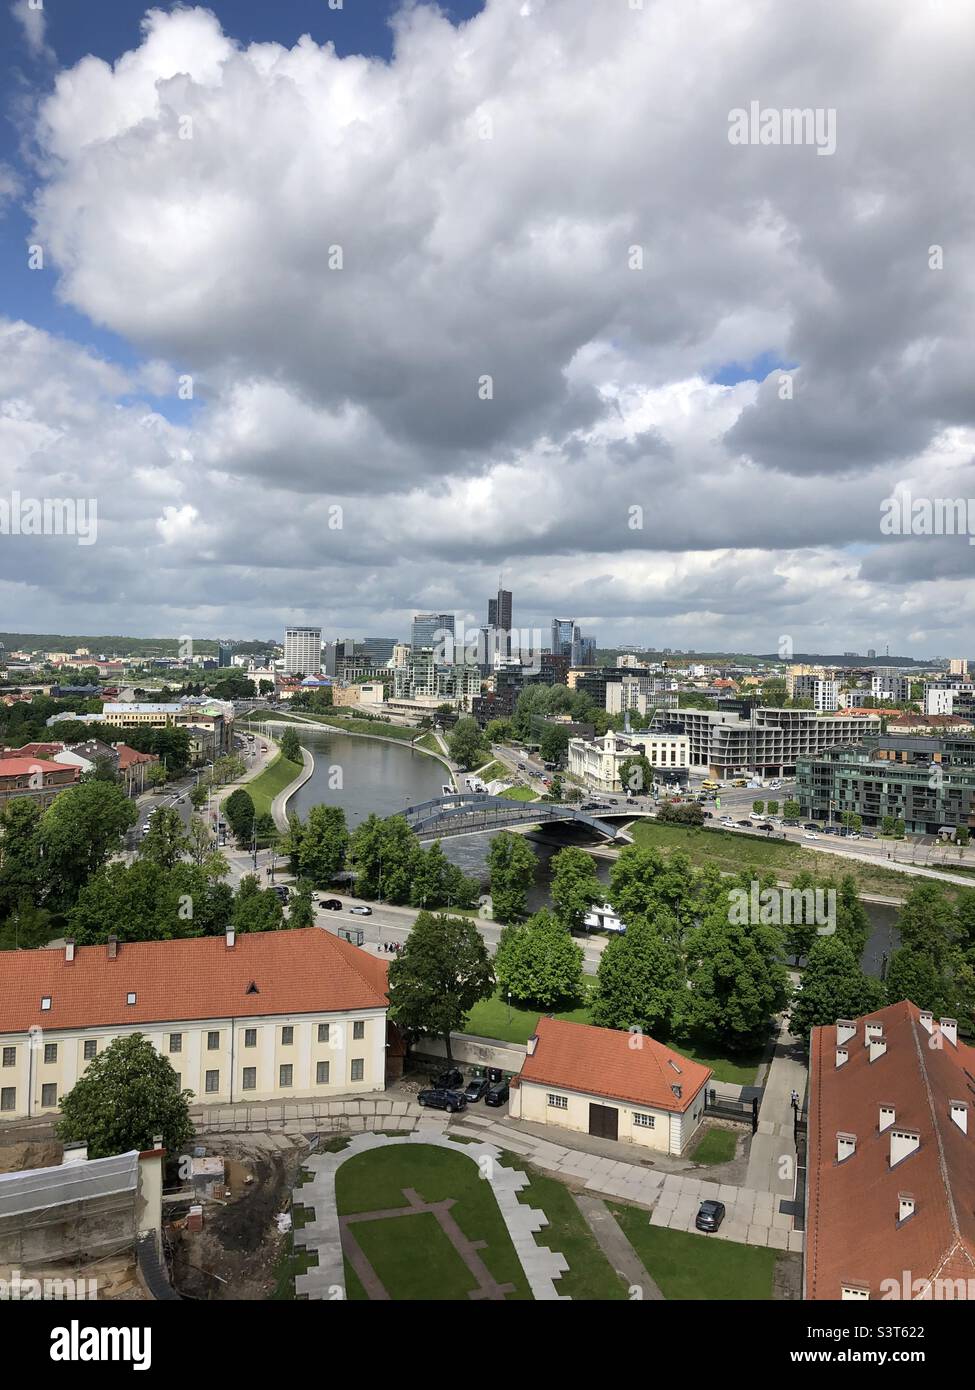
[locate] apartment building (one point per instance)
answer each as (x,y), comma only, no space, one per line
(260,1016)
(767,741)
(890,1177)
(884,686)
(425,679)
(210,722)
(952,696)
(823,691)
(41,779)
(928,783)
(302,650)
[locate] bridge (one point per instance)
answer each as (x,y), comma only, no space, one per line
(471,813)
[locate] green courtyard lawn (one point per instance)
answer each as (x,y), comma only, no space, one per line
(411,1255)
(590,1276)
(697,1266)
(278,774)
(490,771)
(731,851)
(491,1018)
(716,1146)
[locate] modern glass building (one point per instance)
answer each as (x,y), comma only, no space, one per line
(928,783)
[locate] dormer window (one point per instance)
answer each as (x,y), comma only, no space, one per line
(46,1002)
(130,997)
(252,988)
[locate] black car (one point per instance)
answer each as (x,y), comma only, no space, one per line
(710,1216)
(451,1080)
(476,1089)
(281,890)
(332,904)
(497,1095)
(790,822)
(440,1099)
(811,825)
(765,825)
(746,823)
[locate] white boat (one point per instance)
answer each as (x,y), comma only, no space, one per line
(604,919)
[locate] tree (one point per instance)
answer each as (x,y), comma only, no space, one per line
(324,844)
(539,963)
(442,972)
(575,887)
(640,980)
(156,776)
(791,810)
(917,976)
(833,986)
(301,909)
(27,927)
(773,808)
(758,807)
(127,1097)
(512,866)
(636,775)
(291,747)
(852,922)
(736,981)
(466,745)
(430,877)
(265,831)
(239,810)
(78,831)
(554,743)
(166,841)
(20,851)
(256,908)
(498,730)
(927,922)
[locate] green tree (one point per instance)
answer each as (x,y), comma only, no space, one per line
(640,980)
(256,908)
(301,908)
(467,745)
(291,747)
(156,776)
(636,775)
(833,986)
(442,972)
(166,841)
(791,810)
(773,808)
(758,807)
(575,887)
(852,922)
(128,1096)
(539,963)
(554,743)
(27,927)
(917,976)
(324,844)
(736,981)
(512,865)
(20,853)
(927,923)
(239,811)
(79,830)
(498,730)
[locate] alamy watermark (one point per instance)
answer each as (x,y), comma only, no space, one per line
(49,516)
(783,907)
(906,515)
(770,125)
(17,1289)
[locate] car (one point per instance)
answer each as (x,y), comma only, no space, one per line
(332,904)
(810,825)
(867,835)
(790,822)
(281,890)
(632,801)
(727,820)
(831,830)
(476,1089)
(809,835)
(439,1099)
(497,1095)
(521,767)
(756,815)
(362,911)
(709,1216)
(709,815)
(746,823)
(765,825)
(449,1080)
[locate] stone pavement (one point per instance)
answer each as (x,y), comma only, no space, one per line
(615,1245)
(771,1160)
(346,1115)
(326,1280)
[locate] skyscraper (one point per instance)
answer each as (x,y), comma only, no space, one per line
(499,618)
(432,630)
(302,650)
(562,633)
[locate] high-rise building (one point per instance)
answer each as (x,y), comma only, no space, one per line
(436,631)
(225,653)
(562,633)
(958,666)
(374,651)
(499,618)
(302,650)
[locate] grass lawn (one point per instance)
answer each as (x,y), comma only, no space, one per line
(732,851)
(430,743)
(717,1146)
(289,1263)
(491,770)
(697,1266)
(590,1275)
(519,793)
(265,787)
(411,1255)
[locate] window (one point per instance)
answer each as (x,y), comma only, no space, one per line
(250,1078)
(323,1032)
(130,997)
(558,1102)
(358,1029)
(212,1081)
(49,1095)
(179,1082)
(644,1121)
(50,1052)
(9,1056)
(358,1068)
(287,1036)
(46,1002)
(285,1074)
(250,1037)
(8,1098)
(91,1047)
(321,1074)
(213,1040)
(175,1042)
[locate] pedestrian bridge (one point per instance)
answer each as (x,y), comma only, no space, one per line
(470,813)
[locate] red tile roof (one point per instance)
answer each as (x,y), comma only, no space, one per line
(302,971)
(23,767)
(130,757)
(33,750)
(604,1062)
(852,1230)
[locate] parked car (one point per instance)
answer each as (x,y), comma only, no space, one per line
(746,823)
(497,1095)
(332,904)
(867,835)
(439,1099)
(362,911)
(790,821)
(809,835)
(451,1080)
(765,825)
(709,1216)
(810,825)
(281,890)
(476,1089)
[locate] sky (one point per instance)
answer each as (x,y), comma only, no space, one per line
(335,313)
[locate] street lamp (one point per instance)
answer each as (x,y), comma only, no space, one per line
(509,1005)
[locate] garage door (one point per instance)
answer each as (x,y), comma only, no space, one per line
(603,1121)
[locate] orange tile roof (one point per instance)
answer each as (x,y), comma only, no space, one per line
(603,1062)
(302,971)
(852,1231)
(23,767)
(130,757)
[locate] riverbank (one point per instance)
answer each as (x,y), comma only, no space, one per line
(279,806)
(403,740)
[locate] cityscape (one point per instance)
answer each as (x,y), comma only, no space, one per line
(621,956)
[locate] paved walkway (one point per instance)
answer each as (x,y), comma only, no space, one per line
(615,1246)
(279,811)
(771,1162)
(326,1280)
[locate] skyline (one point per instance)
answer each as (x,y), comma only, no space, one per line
(263,349)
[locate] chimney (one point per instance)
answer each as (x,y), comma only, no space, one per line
(903,1142)
(532,1044)
(113,947)
(231,938)
(842,1056)
(846,1146)
(69,950)
(887,1117)
(926,1020)
(871,1032)
(949,1027)
(905,1206)
(845,1030)
(75,1153)
(878,1046)
(958,1110)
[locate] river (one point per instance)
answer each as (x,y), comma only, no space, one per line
(363,775)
